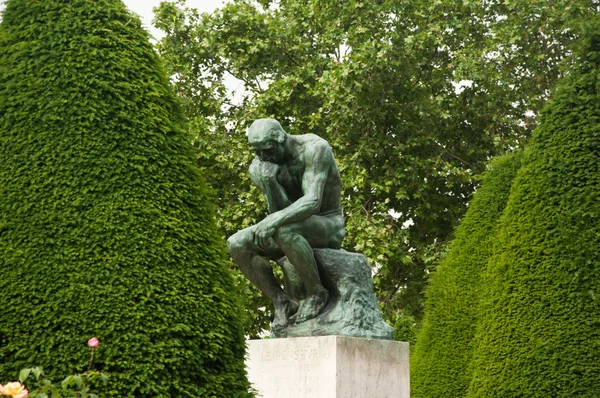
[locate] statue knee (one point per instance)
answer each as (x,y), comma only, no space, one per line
(237,245)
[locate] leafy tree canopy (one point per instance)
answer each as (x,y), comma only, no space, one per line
(378,80)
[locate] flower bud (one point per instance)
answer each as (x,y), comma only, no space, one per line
(93,342)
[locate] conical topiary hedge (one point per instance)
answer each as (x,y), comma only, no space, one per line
(440,361)
(539,331)
(105,225)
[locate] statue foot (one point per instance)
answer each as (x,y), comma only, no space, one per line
(311,306)
(278,331)
(291,310)
(283,313)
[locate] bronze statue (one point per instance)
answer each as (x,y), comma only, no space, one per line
(299,178)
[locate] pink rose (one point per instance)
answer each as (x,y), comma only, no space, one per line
(1,390)
(15,390)
(93,342)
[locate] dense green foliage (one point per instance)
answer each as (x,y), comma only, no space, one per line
(405,328)
(539,331)
(106,227)
(377,79)
(440,362)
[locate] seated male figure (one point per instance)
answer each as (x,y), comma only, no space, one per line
(298,176)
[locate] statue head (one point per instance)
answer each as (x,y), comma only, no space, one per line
(267,139)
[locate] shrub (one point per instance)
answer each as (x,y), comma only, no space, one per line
(440,362)
(404,328)
(539,332)
(106,226)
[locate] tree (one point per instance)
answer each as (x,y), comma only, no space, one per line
(106,226)
(377,79)
(440,364)
(538,329)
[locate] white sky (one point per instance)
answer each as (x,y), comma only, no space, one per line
(144,9)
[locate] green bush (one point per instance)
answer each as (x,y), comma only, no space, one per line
(440,362)
(539,331)
(106,226)
(404,328)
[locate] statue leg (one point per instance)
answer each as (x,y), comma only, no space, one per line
(292,284)
(297,242)
(258,270)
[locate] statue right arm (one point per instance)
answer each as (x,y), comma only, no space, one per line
(264,176)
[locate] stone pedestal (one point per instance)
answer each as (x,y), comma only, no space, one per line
(328,367)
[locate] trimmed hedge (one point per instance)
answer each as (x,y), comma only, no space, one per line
(440,362)
(539,332)
(106,226)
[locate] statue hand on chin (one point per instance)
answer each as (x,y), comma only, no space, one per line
(268,171)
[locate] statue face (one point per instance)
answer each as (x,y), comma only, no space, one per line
(269,151)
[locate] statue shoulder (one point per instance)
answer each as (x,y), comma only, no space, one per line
(314,143)
(310,138)
(317,152)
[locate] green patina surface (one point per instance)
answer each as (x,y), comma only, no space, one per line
(299,178)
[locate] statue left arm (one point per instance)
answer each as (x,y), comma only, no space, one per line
(318,160)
